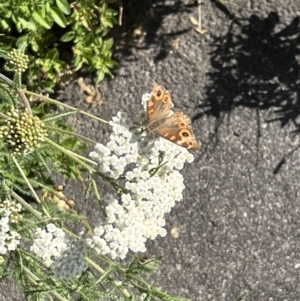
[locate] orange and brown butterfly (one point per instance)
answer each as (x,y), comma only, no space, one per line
(173,126)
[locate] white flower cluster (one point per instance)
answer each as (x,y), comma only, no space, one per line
(49,243)
(153,184)
(9,239)
(64,253)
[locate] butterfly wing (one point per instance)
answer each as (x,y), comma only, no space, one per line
(158,107)
(177,128)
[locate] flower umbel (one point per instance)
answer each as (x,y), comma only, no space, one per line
(152,185)
(17,61)
(23,132)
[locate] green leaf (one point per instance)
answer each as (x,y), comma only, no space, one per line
(100,76)
(90,60)
(99,41)
(104,7)
(89,38)
(4,24)
(69,143)
(78,65)
(6,13)
(115,64)
(35,47)
(105,31)
(77,59)
(58,17)
(19,26)
(42,21)
(53,54)
(24,10)
(26,24)
(47,7)
(109,43)
(32,26)
(57,67)
(105,69)
(22,39)
(44,10)
(49,90)
(107,22)
(64,6)
(69,36)
(109,64)
(110,12)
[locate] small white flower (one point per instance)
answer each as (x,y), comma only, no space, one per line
(51,228)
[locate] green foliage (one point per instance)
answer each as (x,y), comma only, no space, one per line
(44,28)
(39,162)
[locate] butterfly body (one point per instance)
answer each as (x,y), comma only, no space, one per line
(173,126)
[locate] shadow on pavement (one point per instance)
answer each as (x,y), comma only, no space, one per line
(256,67)
(145,18)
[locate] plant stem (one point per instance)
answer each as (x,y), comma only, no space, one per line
(26,180)
(36,213)
(35,280)
(20,92)
(65,106)
(88,140)
(74,156)
(101,271)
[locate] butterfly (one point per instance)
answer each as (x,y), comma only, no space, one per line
(173,126)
